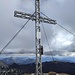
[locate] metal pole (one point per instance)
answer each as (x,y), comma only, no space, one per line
(38,38)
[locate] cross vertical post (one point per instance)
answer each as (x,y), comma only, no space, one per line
(38,38)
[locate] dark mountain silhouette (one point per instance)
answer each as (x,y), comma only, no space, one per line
(59,67)
(29,68)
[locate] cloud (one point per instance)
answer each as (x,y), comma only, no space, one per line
(10,25)
(62,11)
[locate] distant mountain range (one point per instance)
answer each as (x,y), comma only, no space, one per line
(18,60)
(61,64)
(30,60)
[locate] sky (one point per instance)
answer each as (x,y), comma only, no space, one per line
(60,41)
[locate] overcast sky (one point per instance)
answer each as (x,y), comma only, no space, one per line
(63,11)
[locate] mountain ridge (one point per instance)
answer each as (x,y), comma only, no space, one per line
(29,60)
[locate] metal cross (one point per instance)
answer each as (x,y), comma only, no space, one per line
(37,18)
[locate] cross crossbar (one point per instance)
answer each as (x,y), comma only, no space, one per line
(33,18)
